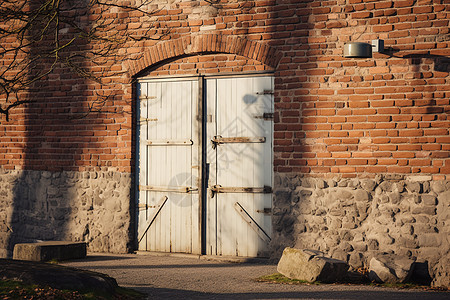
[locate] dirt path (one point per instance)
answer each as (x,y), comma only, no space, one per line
(164,277)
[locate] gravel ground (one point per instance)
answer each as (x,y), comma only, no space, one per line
(188,277)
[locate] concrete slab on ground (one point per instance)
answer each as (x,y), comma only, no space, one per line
(49,250)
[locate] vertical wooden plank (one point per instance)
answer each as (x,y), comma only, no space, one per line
(224,231)
(174,156)
(158,158)
(166,167)
(150,102)
(183,230)
(187,205)
(142,198)
(183,174)
(236,164)
(228,126)
(251,158)
(186,210)
(257,161)
(196,169)
(209,207)
(154,157)
(269,107)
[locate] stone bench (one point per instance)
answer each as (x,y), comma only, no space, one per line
(45,251)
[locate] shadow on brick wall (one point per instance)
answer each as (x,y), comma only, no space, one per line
(43,194)
(422,65)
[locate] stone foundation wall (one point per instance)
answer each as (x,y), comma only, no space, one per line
(75,206)
(355,219)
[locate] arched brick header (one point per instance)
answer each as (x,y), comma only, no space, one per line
(208,43)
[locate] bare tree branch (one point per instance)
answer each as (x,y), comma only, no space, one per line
(38,37)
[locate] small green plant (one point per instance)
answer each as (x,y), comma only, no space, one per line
(408,285)
(54,262)
(398,285)
(278,278)
(281,279)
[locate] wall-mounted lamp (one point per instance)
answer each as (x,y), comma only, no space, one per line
(363,50)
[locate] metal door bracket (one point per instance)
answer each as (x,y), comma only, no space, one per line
(266,211)
(146,206)
(173,189)
(255,190)
(144,98)
(265,116)
(218,139)
(146,120)
(265,92)
(170,143)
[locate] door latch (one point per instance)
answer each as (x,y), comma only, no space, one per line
(216,141)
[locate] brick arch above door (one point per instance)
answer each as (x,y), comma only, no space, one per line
(165,51)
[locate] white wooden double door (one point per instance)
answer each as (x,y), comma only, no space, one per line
(205,165)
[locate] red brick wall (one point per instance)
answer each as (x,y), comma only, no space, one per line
(334,115)
(209,64)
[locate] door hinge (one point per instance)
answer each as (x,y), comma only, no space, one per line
(265,116)
(266,210)
(146,120)
(145,98)
(265,92)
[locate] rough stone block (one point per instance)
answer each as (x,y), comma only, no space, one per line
(361,195)
(444,197)
(390,268)
(420,178)
(406,242)
(386,186)
(394,197)
(427,210)
(413,187)
(438,186)
(356,260)
(442,273)
(310,265)
(45,251)
(368,184)
(429,240)
(429,200)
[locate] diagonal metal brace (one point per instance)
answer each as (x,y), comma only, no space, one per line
(155,214)
(250,221)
